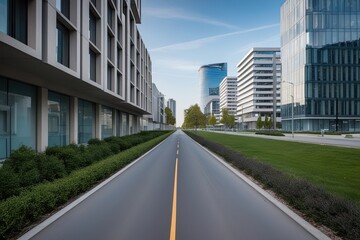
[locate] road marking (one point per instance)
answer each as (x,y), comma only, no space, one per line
(173,218)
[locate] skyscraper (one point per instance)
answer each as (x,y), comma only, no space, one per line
(171,103)
(210,77)
(320,49)
(228,94)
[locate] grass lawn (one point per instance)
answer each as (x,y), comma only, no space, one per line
(336,169)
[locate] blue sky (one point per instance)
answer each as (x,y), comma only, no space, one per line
(182,35)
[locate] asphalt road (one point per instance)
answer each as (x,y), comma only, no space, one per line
(212,203)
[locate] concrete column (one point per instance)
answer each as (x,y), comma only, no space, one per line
(42,120)
(74,107)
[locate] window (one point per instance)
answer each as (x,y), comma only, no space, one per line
(86,121)
(14,19)
(110,16)
(92,65)
(92,28)
(17,116)
(109,78)
(58,119)
(106,122)
(64,7)
(62,44)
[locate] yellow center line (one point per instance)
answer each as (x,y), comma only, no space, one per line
(173,218)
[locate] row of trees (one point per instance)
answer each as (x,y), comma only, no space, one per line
(268,123)
(170,118)
(194,118)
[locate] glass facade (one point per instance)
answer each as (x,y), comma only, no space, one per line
(210,77)
(321,55)
(62,44)
(58,119)
(106,122)
(86,121)
(17,116)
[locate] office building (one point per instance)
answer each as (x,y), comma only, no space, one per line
(228,94)
(158,105)
(320,49)
(258,86)
(71,71)
(171,103)
(213,108)
(210,78)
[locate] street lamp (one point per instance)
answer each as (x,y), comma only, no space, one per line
(292,108)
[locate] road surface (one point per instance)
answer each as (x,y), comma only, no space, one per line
(178,189)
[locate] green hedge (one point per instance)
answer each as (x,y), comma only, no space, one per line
(20,211)
(270,133)
(26,168)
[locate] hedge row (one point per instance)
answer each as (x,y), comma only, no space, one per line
(338,214)
(26,168)
(270,133)
(19,211)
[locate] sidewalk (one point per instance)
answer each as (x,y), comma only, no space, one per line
(333,140)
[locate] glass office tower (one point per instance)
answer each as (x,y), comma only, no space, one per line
(210,77)
(320,47)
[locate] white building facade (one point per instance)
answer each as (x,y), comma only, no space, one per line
(258,86)
(71,71)
(228,94)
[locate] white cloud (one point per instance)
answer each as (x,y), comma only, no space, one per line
(169,13)
(200,42)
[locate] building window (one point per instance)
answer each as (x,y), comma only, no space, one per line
(62,44)
(14,19)
(92,28)
(64,7)
(92,65)
(106,122)
(110,16)
(58,119)
(109,78)
(17,116)
(86,121)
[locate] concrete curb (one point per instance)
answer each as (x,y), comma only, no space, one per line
(31,233)
(295,217)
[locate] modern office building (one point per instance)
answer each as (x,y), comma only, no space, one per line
(228,94)
(258,86)
(320,49)
(213,108)
(171,103)
(71,71)
(210,78)
(158,105)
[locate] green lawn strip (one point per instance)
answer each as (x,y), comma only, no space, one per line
(322,206)
(334,168)
(20,211)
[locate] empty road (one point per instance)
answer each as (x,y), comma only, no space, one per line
(177,191)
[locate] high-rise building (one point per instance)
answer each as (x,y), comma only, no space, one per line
(213,108)
(258,86)
(71,71)
(210,78)
(158,105)
(171,103)
(228,94)
(320,49)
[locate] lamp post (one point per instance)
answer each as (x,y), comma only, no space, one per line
(292,108)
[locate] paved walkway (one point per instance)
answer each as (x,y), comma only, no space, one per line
(333,140)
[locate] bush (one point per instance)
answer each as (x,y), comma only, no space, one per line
(270,133)
(70,155)
(338,214)
(94,141)
(20,211)
(9,183)
(50,167)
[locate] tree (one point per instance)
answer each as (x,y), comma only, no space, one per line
(170,119)
(194,118)
(266,122)
(259,123)
(212,120)
(271,122)
(227,119)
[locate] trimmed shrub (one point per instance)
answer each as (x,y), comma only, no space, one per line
(270,133)
(50,167)
(70,155)
(94,141)
(9,183)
